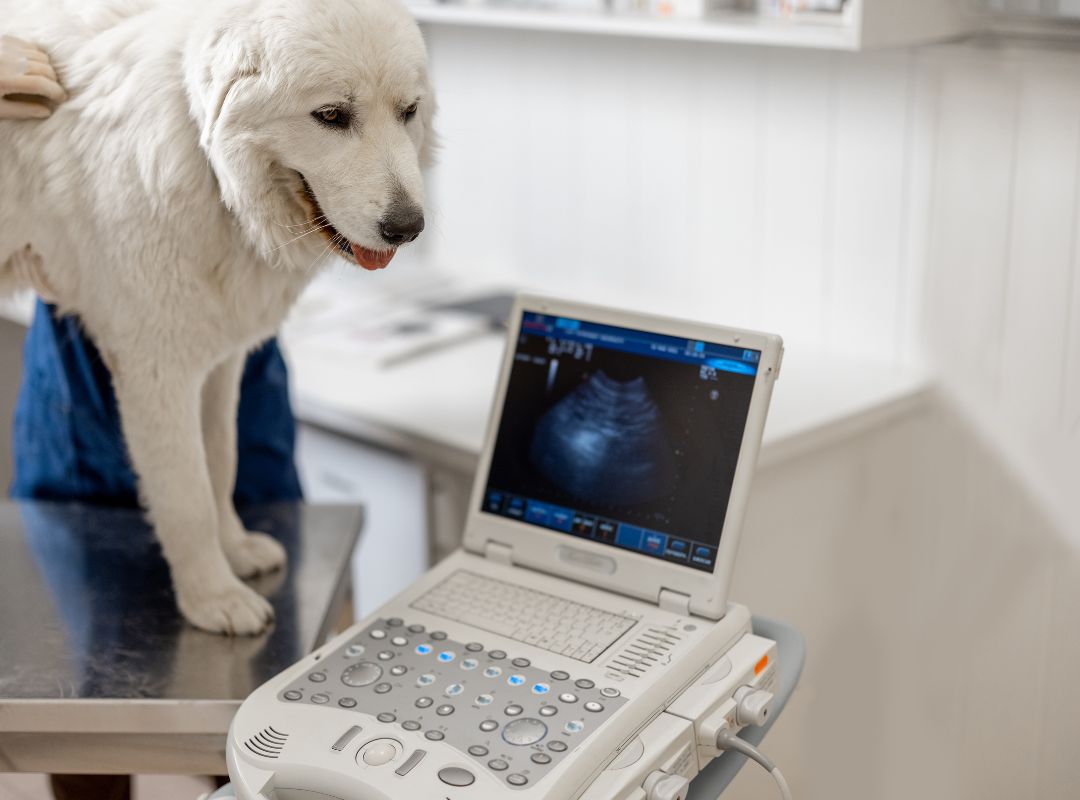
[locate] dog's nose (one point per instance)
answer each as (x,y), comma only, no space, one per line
(402,225)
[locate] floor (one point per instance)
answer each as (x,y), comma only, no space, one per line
(147,787)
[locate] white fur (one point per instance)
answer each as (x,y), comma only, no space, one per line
(163,206)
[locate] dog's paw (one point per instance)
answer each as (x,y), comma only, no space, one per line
(252,554)
(236,610)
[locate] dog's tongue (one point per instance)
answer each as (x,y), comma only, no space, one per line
(372,259)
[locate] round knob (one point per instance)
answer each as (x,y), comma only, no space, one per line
(523,732)
(380,752)
(661,786)
(361,674)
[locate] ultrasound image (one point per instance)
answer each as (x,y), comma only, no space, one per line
(605,442)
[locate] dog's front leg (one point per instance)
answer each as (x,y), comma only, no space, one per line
(248,553)
(160,405)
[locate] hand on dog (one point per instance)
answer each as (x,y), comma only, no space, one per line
(27,81)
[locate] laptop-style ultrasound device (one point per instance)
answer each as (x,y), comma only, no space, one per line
(590,592)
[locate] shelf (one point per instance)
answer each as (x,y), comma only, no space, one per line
(734,28)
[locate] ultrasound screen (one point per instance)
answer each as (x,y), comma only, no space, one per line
(623,437)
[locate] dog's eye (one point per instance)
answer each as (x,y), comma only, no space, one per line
(408,113)
(332,116)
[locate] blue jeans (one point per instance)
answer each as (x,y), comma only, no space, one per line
(68,443)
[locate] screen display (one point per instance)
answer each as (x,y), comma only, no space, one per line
(623,437)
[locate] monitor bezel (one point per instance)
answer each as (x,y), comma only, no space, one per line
(604,565)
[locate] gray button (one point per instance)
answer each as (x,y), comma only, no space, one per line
(317,677)
(474,647)
(383,688)
(541,758)
(386,655)
(378,633)
(516,779)
(478,750)
(608,691)
(445,710)
(320,698)
(488,725)
(584,683)
(424,702)
(438,636)
(347,702)
(345,738)
(395,622)
(399,641)
(498,765)
(410,725)
(497,655)
(559,675)
(435,736)
(386,716)
(399,670)
(416,629)
(456,776)
(410,762)
(594,707)
(567,697)
(292,694)
(557,746)
(363,674)
(514,710)
(521,662)
(523,732)
(548,711)
(354,650)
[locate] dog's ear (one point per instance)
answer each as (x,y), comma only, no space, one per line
(218,68)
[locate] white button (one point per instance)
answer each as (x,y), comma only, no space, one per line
(380,752)
(378,633)
(470,663)
(594,707)
(607,691)
(399,641)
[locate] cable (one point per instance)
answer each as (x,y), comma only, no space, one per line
(726,740)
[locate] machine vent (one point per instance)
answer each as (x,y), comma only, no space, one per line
(652,648)
(267,743)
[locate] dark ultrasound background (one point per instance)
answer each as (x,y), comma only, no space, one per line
(563,446)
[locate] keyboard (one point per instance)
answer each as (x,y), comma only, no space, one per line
(535,618)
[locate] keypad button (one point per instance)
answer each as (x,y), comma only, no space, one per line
(320,698)
(425,680)
(568,697)
(557,746)
(524,732)
(516,680)
(424,702)
(438,636)
(364,673)
(445,710)
(594,707)
(498,765)
(292,694)
(317,677)
(516,779)
(478,750)
(469,663)
(383,688)
(584,683)
(454,689)
(485,700)
(540,688)
(497,655)
(446,656)
(548,711)
(488,725)
(456,776)
(398,670)
(559,675)
(474,647)
(395,622)
(435,736)
(521,663)
(410,725)
(386,655)
(354,650)
(399,641)
(574,726)
(386,716)
(492,672)
(513,710)
(347,702)
(415,629)
(541,758)
(423,649)
(610,692)
(378,633)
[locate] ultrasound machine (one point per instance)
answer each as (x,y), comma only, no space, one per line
(581,643)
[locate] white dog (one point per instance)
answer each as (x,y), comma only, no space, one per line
(212,155)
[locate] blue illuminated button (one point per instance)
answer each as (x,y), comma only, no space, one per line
(470,663)
(516,680)
(574,726)
(492,672)
(541,688)
(423,649)
(446,656)
(485,700)
(454,689)
(425,680)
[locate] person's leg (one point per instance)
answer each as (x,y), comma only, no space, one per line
(90,787)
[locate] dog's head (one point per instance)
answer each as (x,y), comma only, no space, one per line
(316,118)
